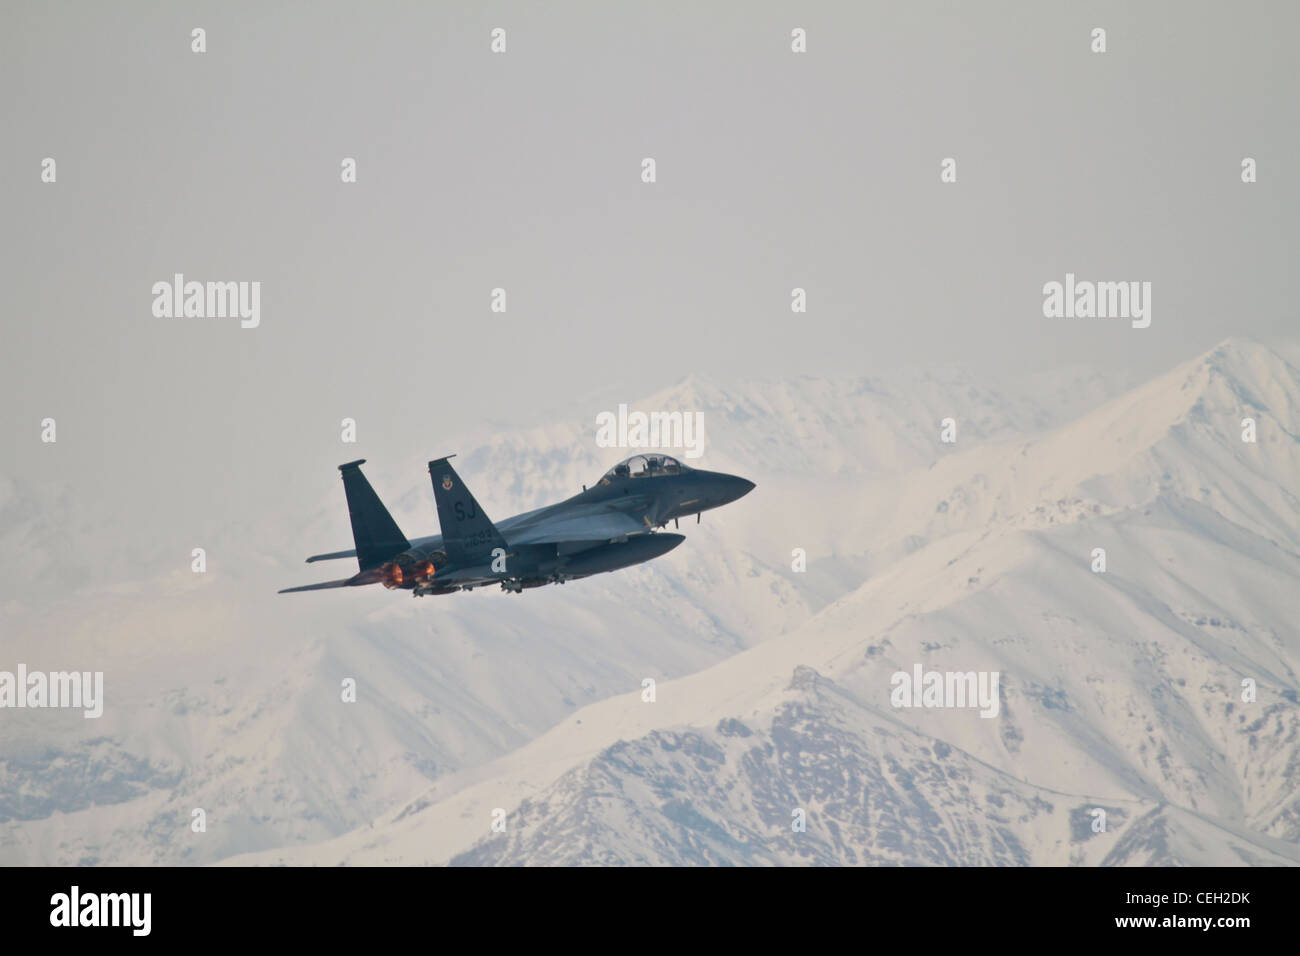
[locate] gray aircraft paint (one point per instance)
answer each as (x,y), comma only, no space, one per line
(609,526)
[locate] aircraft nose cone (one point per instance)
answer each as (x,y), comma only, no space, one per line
(736,487)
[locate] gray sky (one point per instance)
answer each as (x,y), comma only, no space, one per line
(522,170)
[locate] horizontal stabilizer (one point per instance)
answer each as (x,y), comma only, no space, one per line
(332,555)
(318,587)
(360,579)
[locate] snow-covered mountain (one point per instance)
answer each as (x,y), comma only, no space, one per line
(1119,690)
(872,792)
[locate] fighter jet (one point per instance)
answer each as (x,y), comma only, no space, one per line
(614,524)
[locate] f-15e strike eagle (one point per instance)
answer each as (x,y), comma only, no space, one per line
(609,526)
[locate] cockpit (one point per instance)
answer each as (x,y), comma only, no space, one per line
(644,466)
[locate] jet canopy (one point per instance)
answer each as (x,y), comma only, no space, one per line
(644,466)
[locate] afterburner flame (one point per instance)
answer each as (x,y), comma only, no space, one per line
(408,574)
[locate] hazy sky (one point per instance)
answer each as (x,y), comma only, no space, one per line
(522,170)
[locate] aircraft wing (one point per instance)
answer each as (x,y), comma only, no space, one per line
(594,526)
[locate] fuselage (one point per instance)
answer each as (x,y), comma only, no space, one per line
(652,499)
(613,524)
(666,498)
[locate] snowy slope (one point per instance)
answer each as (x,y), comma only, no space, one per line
(1120,690)
(1117,687)
(224,696)
(871,792)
